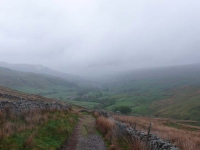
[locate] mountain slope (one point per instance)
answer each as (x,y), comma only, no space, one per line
(39,69)
(11,78)
(49,86)
(184,104)
(165,92)
(175,75)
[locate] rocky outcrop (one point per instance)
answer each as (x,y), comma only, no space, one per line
(105,114)
(153,142)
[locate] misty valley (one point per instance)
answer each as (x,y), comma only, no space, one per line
(158,92)
(99,75)
(167,96)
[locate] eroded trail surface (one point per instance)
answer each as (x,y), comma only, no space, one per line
(85,136)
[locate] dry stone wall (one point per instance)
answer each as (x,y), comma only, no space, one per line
(154,142)
(20,104)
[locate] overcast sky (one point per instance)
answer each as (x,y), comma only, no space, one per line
(76,36)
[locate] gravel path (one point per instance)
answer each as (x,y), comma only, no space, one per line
(85,136)
(92,142)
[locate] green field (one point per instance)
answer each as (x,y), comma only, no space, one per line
(55,92)
(89,105)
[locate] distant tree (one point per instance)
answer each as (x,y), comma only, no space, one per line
(123,109)
(96,95)
(100,94)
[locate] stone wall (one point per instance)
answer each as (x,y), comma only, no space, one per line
(17,101)
(154,142)
(20,105)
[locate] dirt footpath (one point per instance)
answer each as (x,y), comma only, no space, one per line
(85,136)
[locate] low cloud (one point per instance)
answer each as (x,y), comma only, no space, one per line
(84,36)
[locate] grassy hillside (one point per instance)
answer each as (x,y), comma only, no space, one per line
(37,128)
(21,95)
(42,70)
(11,78)
(166,92)
(184,104)
(48,86)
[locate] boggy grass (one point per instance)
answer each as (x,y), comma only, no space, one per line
(180,135)
(116,141)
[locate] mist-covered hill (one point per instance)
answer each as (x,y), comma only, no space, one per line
(45,85)
(42,70)
(39,69)
(171,76)
(11,78)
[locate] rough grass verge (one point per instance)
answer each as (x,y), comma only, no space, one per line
(184,136)
(36,129)
(116,141)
